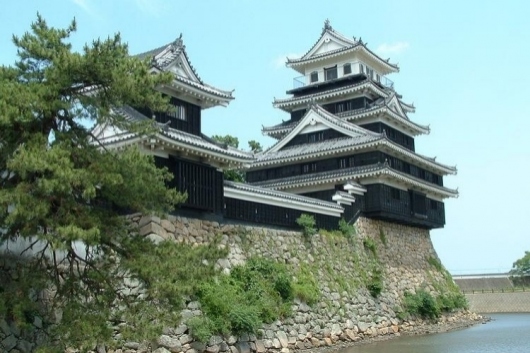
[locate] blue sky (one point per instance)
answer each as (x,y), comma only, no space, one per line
(464,64)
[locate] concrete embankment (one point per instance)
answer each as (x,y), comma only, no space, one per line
(507,302)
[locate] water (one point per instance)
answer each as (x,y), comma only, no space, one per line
(506,333)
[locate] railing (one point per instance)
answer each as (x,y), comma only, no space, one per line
(340,71)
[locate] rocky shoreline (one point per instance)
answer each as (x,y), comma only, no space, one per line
(446,323)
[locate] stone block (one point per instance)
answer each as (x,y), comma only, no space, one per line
(153,228)
(185,339)
(243,347)
(198,346)
(168,226)
(282,337)
(172,344)
(25,346)
(213,349)
(315,342)
(215,340)
(276,343)
(260,346)
(9,342)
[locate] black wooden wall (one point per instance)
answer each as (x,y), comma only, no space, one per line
(273,215)
(191,122)
(360,159)
(203,183)
(407,207)
(393,134)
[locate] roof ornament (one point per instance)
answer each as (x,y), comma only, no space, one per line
(177,44)
(361,40)
(327,26)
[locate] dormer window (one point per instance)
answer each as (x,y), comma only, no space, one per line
(314,76)
(330,73)
(315,136)
(346,69)
(179,113)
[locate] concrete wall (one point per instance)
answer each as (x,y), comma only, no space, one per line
(516,302)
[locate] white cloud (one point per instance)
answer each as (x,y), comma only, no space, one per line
(151,7)
(86,6)
(82,4)
(280,61)
(392,48)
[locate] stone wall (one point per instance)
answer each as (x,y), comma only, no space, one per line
(346,312)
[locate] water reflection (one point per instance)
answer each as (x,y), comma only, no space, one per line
(506,333)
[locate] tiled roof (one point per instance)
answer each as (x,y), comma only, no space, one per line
(316,148)
(278,103)
(352,45)
(202,142)
(346,196)
(341,175)
(321,112)
(351,115)
(163,56)
(364,139)
(281,194)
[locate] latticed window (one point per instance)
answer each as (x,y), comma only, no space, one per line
(346,69)
(330,73)
(178,113)
(314,76)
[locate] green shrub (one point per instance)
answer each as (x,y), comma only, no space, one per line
(370,245)
(331,234)
(256,292)
(347,230)
(306,286)
(308,223)
(421,304)
(450,301)
(375,284)
(244,319)
(434,262)
(201,328)
(382,236)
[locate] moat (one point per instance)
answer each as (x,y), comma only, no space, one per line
(504,333)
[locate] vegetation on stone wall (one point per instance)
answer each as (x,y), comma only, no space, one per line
(260,291)
(347,230)
(425,305)
(307,223)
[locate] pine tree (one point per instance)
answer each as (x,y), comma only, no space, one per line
(60,190)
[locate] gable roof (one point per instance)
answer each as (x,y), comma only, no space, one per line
(289,103)
(357,173)
(318,115)
(338,45)
(273,197)
(380,106)
(173,57)
(169,139)
(357,138)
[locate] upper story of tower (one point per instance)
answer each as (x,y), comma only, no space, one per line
(335,60)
